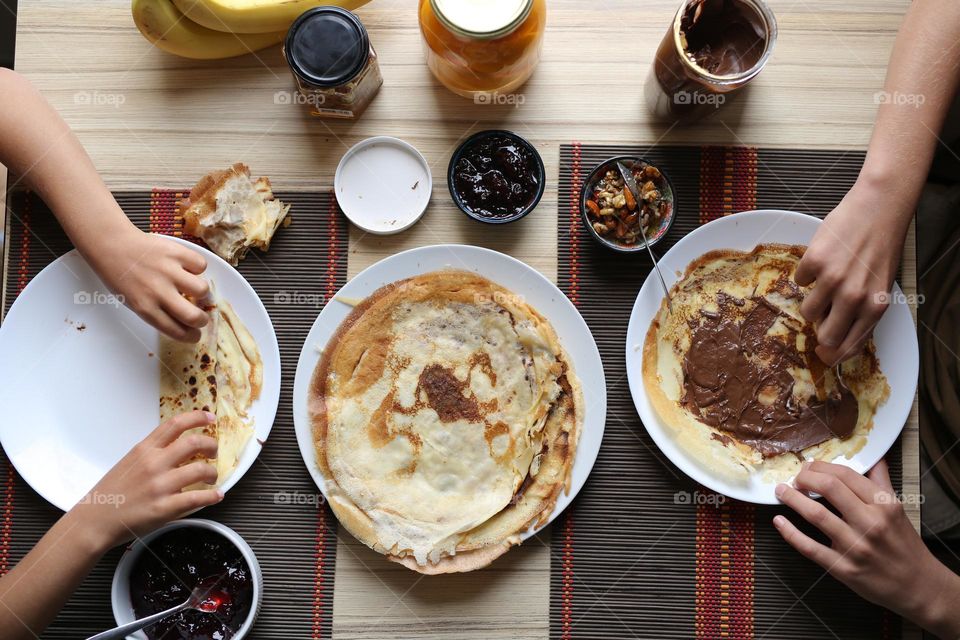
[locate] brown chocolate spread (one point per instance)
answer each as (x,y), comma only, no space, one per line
(737,379)
(724,37)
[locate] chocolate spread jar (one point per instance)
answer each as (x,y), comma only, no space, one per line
(712,48)
(333,63)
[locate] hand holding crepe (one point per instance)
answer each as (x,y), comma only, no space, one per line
(732,369)
(232,213)
(221,374)
(446,418)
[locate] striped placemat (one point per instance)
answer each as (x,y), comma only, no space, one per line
(645,552)
(275,506)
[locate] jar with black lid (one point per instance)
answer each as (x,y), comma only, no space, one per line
(333,63)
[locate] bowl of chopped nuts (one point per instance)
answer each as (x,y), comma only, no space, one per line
(617,219)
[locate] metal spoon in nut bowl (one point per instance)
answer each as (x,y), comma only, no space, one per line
(200,599)
(631,183)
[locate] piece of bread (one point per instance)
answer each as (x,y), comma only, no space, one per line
(231,212)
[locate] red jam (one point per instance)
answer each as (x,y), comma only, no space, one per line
(166,573)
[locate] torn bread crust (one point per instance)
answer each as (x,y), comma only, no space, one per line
(231,212)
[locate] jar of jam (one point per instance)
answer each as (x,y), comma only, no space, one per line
(333,63)
(712,49)
(483,48)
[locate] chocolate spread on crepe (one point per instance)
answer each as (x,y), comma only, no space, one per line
(737,379)
(723,37)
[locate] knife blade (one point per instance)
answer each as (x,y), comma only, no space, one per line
(629,182)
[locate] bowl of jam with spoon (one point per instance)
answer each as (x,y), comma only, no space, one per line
(162,569)
(496,177)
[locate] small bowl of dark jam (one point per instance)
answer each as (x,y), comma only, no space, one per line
(496,177)
(161,570)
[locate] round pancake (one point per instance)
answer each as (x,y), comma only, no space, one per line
(434,407)
(731,285)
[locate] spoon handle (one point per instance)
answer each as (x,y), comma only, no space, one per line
(126,629)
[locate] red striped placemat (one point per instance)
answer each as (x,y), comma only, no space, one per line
(275,506)
(645,552)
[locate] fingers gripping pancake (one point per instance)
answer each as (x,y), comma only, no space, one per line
(732,369)
(431,408)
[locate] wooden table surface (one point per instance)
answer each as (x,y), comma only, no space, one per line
(150,119)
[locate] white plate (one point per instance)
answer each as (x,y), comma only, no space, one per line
(895,337)
(79,381)
(383,185)
(509,272)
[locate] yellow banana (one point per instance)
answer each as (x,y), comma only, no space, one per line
(162,24)
(253,16)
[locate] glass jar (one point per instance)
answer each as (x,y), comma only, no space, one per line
(333,63)
(483,48)
(710,50)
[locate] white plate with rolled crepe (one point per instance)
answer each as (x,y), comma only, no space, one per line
(80,376)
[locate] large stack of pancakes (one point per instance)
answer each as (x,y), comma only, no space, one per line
(446,417)
(731,368)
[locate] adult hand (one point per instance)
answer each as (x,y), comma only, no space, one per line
(852,262)
(145,489)
(153,275)
(874,548)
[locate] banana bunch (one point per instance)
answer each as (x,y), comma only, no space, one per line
(211,29)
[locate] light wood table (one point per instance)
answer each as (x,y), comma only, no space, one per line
(150,119)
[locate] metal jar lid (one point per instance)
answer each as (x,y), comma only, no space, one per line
(482,19)
(327,46)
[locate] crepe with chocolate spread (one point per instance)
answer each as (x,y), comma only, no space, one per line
(732,369)
(445,415)
(223,374)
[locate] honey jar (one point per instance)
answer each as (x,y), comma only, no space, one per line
(483,48)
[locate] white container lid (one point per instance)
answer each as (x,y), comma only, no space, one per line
(383,185)
(482,18)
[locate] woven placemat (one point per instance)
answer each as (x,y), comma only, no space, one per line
(644,552)
(275,506)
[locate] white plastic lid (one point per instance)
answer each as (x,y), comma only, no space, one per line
(482,18)
(383,185)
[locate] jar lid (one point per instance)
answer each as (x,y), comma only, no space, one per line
(327,46)
(482,18)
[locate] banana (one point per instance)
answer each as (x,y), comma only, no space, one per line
(162,24)
(253,16)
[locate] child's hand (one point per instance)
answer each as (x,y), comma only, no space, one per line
(852,260)
(152,274)
(144,490)
(875,550)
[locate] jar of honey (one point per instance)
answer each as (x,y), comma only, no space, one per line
(483,48)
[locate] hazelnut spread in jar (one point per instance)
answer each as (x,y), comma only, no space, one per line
(712,48)
(482,48)
(333,63)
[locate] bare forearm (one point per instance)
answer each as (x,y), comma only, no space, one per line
(922,80)
(36,589)
(40,148)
